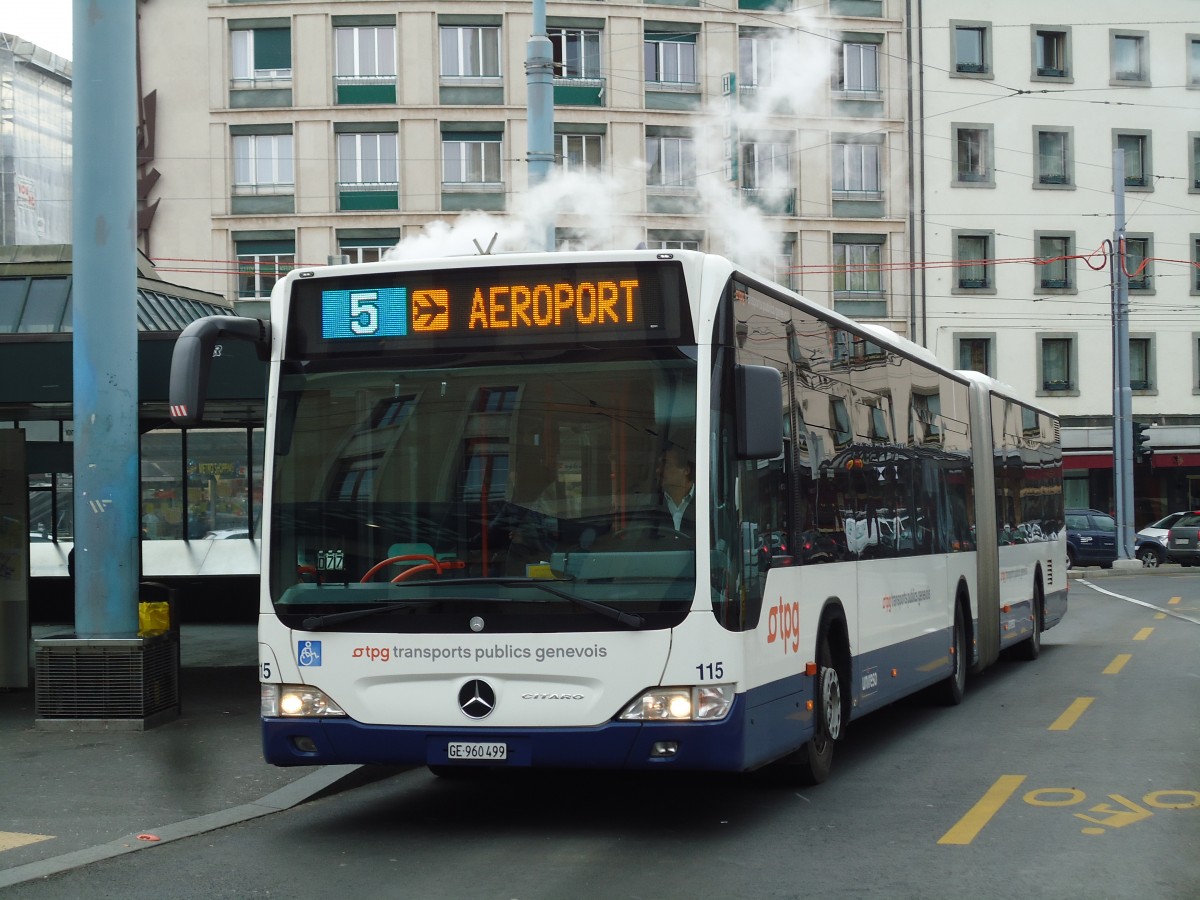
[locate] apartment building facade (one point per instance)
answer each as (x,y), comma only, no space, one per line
(941,168)
(1018,111)
(312,131)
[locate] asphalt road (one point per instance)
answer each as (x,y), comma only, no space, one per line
(1073,776)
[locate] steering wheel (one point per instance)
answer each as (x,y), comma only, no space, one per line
(430,564)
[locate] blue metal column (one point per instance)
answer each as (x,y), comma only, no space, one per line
(104,317)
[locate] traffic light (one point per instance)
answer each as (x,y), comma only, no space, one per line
(1141,451)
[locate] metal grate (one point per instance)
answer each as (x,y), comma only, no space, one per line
(88,679)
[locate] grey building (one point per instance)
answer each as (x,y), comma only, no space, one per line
(35,144)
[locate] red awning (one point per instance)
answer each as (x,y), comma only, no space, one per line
(1088,461)
(1165,459)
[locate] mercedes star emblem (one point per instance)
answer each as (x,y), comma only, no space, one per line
(477,699)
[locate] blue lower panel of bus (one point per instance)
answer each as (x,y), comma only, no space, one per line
(762,725)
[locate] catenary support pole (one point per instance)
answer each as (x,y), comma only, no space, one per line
(539,80)
(104,318)
(1122,396)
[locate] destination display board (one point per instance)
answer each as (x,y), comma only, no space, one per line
(495,306)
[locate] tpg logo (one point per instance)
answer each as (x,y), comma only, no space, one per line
(783,624)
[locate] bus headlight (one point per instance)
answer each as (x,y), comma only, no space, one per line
(296,701)
(704,702)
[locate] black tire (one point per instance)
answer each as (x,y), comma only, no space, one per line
(954,687)
(1070,558)
(1031,648)
(814,760)
(1151,558)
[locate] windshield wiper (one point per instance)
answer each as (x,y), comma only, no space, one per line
(316,623)
(633,620)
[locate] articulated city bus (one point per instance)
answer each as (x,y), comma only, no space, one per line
(624,510)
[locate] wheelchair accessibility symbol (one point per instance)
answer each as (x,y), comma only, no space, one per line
(308,653)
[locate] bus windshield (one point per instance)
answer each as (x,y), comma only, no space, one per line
(528,490)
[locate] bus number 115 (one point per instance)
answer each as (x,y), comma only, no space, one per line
(711,671)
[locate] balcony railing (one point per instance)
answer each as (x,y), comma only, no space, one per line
(772,201)
(571,91)
(364,88)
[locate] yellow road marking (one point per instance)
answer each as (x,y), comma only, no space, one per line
(968,827)
(1174,601)
(11,840)
(1117,664)
(1143,634)
(1071,716)
(1160,615)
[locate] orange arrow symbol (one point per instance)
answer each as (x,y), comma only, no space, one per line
(431,310)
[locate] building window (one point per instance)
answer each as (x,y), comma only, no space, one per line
(765,165)
(364,253)
(367,159)
(1195,363)
(670,58)
(1056,360)
(1195,264)
(1138,262)
(756,58)
(470,51)
(670,162)
(261,264)
(1050,58)
(1056,268)
(971,49)
(1193,60)
(1138,173)
(973,155)
(784,265)
(975,354)
(1054,157)
(1130,57)
(973,261)
(857,269)
(366,52)
(1141,363)
(580,152)
(669,240)
(765,180)
(856,172)
(858,71)
(475,161)
(576,52)
(1194,161)
(262,164)
(261,55)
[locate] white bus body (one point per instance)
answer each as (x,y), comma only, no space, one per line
(864,523)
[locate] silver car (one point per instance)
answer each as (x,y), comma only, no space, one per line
(1183,540)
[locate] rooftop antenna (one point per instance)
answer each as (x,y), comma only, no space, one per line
(491,244)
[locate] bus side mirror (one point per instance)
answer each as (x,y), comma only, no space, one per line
(759,412)
(192,359)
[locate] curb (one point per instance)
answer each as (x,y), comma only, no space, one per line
(1091,572)
(324,782)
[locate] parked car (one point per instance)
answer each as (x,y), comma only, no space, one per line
(1183,540)
(1151,546)
(1091,538)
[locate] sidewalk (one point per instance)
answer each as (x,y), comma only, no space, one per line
(70,798)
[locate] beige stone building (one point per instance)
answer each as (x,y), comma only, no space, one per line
(293,132)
